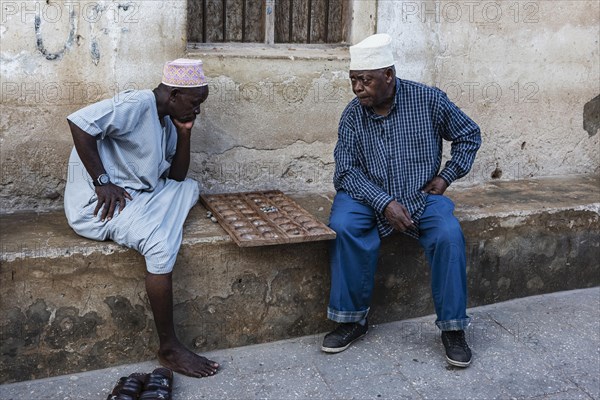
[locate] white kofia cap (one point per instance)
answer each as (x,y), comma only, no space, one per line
(373,52)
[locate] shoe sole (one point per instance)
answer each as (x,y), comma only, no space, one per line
(458,363)
(333,350)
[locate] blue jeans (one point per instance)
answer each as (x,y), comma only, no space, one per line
(355,252)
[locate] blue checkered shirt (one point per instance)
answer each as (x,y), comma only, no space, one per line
(383,158)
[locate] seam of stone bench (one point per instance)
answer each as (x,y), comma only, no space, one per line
(467,216)
(91,247)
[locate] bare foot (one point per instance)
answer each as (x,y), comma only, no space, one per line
(181,360)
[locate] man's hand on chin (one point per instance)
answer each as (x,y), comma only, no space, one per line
(183,127)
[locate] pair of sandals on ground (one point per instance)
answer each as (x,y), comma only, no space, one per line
(156,385)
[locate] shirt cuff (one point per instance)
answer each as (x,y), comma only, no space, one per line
(448,175)
(381,201)
(84,125)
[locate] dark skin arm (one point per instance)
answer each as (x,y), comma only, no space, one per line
(436,186)
(399,217)
(108,195)
(181,160)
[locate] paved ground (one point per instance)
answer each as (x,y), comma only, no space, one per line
(541,347)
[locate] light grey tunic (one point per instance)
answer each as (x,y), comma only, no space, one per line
(136,152)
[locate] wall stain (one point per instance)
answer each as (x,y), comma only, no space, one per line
(95,51)
(127,318)
(591,116)
(69,327)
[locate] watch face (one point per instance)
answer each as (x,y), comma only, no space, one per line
(103,179)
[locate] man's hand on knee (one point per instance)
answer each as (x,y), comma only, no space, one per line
(110,196)
(436,186)
(398,216)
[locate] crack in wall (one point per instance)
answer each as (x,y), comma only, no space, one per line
(252,148)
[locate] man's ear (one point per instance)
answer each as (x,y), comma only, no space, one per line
(389,75)
(173,94)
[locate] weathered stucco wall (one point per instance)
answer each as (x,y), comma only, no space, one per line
(270,120)
(270,123)
(525,71)
(58,56)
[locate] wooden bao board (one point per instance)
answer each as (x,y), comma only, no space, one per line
(265,218)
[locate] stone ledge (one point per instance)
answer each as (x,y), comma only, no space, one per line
(47,235)
(269,52)
(70,304)
(33,235)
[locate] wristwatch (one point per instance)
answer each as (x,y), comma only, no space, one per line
(102,180)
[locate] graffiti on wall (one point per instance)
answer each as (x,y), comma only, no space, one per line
(47,14)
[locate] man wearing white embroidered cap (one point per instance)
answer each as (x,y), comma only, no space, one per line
(374,52)
(388,179)
(127,183)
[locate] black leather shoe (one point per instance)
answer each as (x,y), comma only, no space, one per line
(458,352)
(340,338)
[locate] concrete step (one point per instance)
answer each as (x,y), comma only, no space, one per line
(69,304)
(541,347)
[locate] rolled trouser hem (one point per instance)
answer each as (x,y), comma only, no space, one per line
(453,324)
(345,317)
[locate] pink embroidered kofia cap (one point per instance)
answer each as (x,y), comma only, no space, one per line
(184,72)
